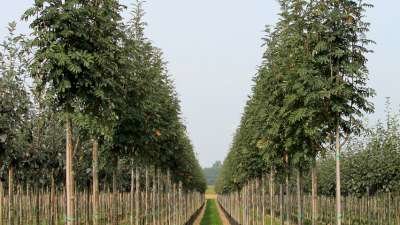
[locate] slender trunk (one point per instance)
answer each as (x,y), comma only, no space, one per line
(37,194)
(87,205)
(281,204)
(338,191)
(53,200)
(115,195)
(137,196)
(174,204)
(1,201)
(146,197)
(314,194)
(180,208)
(299,198)
(95,149)
(69,175)
(153,198)
(272,194)
(132,195)
(286,199)
(159,211)
(252,202)
(20,217)
(168,189)
(262,200)
(10,194)
(287,205)
(244,204)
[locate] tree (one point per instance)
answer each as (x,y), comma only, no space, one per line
(14,105)
(341,56)
(77,61)
(310,87)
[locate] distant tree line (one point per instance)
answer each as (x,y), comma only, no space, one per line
(211,173)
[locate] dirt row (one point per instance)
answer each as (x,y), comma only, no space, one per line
(200,216)
(222,215)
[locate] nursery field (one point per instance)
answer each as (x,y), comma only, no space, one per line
(93,131)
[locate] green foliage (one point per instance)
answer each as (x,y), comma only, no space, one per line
(311,82)
(78,56)
(370,164)
(149,129)
(107,77)
(14,97)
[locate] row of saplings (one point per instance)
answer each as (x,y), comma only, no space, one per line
(370,185)
(87,112)
(270,200)
(307,104)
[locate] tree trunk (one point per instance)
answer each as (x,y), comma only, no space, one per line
(158,198)
(272,194)
(132,200)
(262,200)
(286,199)
(1,201)
(244,205)
(37,206)
(87,205)
(252,202)
(69,175)
(338,191)
(10,194)
(281,204)
(20,217)
(173,204)
(299,198)
(314,194)
(168,190)
(52,199)
(114,202)
(180,204)
(153,198)
(95,156)
(137,196)
(146,197)
(287,205)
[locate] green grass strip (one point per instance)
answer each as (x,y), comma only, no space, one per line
(211,216)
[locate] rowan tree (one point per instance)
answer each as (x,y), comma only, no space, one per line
(76,60)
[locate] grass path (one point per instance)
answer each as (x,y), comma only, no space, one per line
(211,215)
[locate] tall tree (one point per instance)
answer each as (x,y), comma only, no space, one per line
(341,55)
(14,106)
(77,61)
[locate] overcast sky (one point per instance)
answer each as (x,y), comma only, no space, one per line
(213,48)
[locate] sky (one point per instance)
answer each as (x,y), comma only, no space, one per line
(213,49)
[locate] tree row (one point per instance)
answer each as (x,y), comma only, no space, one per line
(86,98)
(309,96)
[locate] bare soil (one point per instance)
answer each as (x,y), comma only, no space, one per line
(222,215)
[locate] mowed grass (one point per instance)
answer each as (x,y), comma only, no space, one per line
(211,216)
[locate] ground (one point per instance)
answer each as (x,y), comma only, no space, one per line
(212,213)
